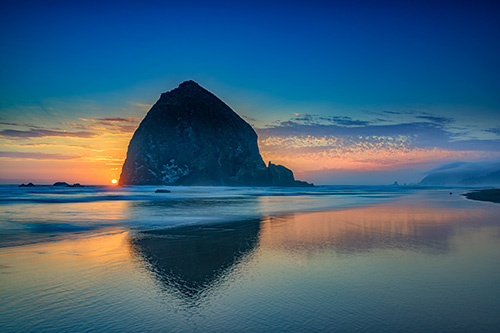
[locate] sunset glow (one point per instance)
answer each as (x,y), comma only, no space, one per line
(320,106)
(90,157)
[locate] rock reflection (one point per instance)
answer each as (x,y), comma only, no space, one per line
(192,260)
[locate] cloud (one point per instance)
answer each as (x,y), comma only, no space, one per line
(111,120)
(312,120)
(473,144)
(432,133)
(448,166)
(436,120)
(44,144)
(42,133)
(493,130)
(400,112)
(249,119)
(119,120)
(422,134)
(35,156)
(307,142)
(346,121)
(115,124)
(19,124)
(410,116)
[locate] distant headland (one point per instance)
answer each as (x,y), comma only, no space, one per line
(191,137)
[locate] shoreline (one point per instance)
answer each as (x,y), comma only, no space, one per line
(489,195)
(329,203)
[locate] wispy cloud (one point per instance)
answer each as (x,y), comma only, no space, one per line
(493,130)
(19,124)
(399,112)
(118,120)
(43,144)
(249,119)
(115,124)
(35,156)
(436,120)
(42,133)
(312,120)
(346,121)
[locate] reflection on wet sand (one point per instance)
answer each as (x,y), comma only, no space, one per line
(190,261)
(405,227)
(422,263)
(194,259)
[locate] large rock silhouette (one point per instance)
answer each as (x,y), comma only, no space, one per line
(190,137)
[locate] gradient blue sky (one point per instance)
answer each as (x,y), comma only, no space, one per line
(336,85)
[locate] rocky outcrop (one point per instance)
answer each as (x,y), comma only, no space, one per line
(190,137)
(64,184)
(492,195)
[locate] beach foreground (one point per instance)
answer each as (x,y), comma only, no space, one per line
(418,261)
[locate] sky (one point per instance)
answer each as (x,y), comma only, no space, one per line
(341,92)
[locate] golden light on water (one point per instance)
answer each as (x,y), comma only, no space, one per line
(114,181)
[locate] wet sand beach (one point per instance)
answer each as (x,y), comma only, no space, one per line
(422,262)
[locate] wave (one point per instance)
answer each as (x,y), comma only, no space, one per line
(74,200)
(48,195)
(46,213)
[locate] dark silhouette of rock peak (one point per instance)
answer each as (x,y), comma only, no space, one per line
(191,137)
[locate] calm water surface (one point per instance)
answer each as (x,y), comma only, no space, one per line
(334,259)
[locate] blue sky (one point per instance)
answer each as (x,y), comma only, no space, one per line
(426,72)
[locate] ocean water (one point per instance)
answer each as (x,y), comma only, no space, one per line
(212,259)
(47,212)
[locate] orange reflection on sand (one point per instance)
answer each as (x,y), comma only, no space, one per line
(54,263)
(106,247)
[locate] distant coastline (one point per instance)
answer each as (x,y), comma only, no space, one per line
(491,195)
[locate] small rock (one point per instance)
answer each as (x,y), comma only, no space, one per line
(27,185)
(162,191)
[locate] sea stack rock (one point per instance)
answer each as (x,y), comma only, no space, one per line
(190,137)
